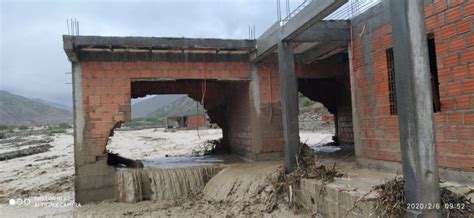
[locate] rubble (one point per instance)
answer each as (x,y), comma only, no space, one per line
(391,200)
(307,167)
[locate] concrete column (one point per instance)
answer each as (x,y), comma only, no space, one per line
(289,102)
(78,116)
(355,113)
(414,103)
(79,124)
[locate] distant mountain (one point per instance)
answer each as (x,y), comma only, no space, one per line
(56,105)
(180,107)
(19,110)
(147,107)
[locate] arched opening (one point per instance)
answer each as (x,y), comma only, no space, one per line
(176,123)
(316,123)
(332,101)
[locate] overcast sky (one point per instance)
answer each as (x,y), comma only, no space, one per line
(33,62)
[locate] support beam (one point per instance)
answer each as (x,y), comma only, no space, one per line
(310,15)
(322,50)
(289,103)
(326,31)
(415,108)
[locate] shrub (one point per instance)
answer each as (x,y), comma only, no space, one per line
(64,126)
(54,131)
(23,127)
(3,135)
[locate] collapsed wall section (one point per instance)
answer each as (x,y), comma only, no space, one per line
(102,99)
(328,82)
(234,93)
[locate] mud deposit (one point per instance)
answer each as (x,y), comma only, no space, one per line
(236,190)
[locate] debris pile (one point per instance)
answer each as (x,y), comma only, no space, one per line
(307,167)
(25,152)
(208,147)
(391,200)
(114,159)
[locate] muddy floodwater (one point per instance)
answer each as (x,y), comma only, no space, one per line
(46,178)
(189,161)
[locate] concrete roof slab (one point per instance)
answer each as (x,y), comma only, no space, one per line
(74,43)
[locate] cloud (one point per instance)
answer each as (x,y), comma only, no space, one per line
(34,64)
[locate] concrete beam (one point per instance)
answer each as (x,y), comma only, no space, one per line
(310,15)
(415,106)
(156,43)
(161,56)
(326,31)
(289,103)
(322,50)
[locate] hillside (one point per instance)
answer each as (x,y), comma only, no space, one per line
(180,107)
(19,110)
(146,107)
(53,104)
(157,109)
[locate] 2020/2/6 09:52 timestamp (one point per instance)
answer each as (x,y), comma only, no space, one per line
(432,206)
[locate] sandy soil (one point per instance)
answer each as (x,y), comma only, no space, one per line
(47,177)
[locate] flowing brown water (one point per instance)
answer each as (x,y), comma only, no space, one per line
(134,185)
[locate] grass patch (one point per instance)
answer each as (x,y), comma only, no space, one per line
(64,126)
(23,127)
(6,127)
(140,123)
(58,129)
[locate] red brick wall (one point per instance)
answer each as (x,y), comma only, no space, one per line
(196,120)
(106,88)
(379,136)
(270,115)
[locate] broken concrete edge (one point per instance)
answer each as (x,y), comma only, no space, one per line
(447,174)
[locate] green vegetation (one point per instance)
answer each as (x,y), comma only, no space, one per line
(4,129)
(64,126)
(7,128)
(59,128)
(304,102)
(23,127)
(146,122)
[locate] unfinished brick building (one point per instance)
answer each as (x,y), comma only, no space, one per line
(450,40)
(346,65)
